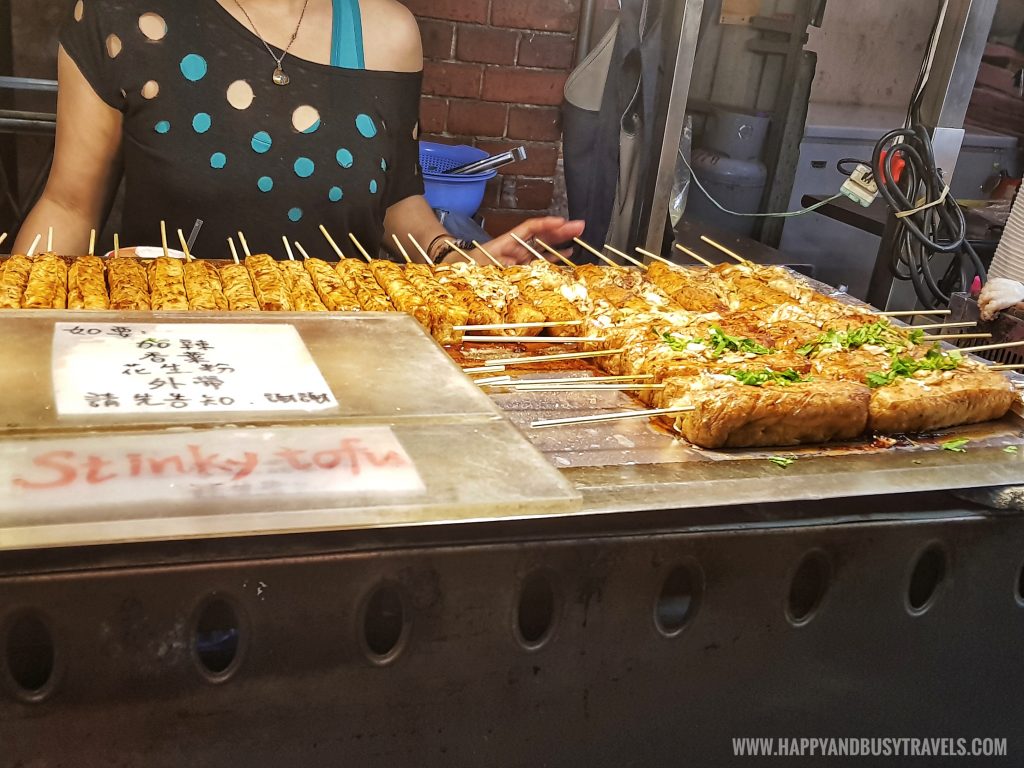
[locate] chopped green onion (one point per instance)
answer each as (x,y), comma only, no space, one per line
(781,461)
(956,446)
(880,334)
(904,367)
(766,376)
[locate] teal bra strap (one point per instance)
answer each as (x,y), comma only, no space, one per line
(347,35)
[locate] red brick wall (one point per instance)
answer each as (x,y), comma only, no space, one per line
(493,78)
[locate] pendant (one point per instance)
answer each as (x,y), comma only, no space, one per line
(280,78)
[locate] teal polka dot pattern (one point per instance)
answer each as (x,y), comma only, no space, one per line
(201,122)
(313,128)
(261,142)
(265,183)
(304,167)
(345,159)
(218,160)
(162,127)
(295,214)
(335,195)
(193,67)
(384,165)
(366,126)
(373,187)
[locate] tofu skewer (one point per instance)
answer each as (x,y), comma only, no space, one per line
(203,286)
(268,280)
(129,284)
(87,286)
(47,286)
(330,286)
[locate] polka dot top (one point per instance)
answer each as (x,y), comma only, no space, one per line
(208,135)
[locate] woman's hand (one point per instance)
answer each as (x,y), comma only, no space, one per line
(552,230)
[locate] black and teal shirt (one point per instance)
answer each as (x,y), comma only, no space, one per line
(208,135)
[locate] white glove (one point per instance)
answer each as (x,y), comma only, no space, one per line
(998,294)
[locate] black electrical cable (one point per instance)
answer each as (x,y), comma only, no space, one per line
(927,231)
(933,227)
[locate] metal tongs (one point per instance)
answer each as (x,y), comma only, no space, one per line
(490,163)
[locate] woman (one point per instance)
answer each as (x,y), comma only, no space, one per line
(266,116)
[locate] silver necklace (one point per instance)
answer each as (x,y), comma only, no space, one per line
(280,78)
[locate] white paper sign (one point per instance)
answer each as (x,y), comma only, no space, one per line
(184,368)
(201,466)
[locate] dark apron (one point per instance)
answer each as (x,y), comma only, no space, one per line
(608,118)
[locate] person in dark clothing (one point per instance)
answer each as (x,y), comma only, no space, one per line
(267,116)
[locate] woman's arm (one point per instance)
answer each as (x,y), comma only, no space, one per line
(413,216)
(86,165)
(403,52)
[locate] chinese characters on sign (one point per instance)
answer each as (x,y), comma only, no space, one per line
(187,367)
(203,465)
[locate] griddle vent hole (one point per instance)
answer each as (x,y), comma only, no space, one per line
(384,624)
(808,588)
(929,573)
(678,600)
(535,617)
(217,640)
(30,655)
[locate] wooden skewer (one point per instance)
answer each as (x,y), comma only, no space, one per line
(49,240)
(234,252)
(513,326)
(288,248)
(1014,367)
(694,256)
(610,417)
(330,240)
(302,251)
(2,238)
(163,239)
(656,257)
(32,248)
(422,250)
(915,313)
(488,255)
(592,388)
(933,326)
(627,257)
(184,246)
(459,251)
(957,336)
(245,245)
(594,251)
(359,247)
(988,347)
(723,249)
(92,242)
(493,381)
(533,251)
(485,369)
(566,356)
(401,249)
(582,380)
(117,245)
(532,339)
(557,254)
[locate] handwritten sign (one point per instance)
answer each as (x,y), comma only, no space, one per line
(187,367)
(203,466)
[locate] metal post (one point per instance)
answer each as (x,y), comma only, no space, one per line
(8,146)
(651,222)
(586,31)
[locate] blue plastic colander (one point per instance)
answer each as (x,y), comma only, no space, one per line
(455,194)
